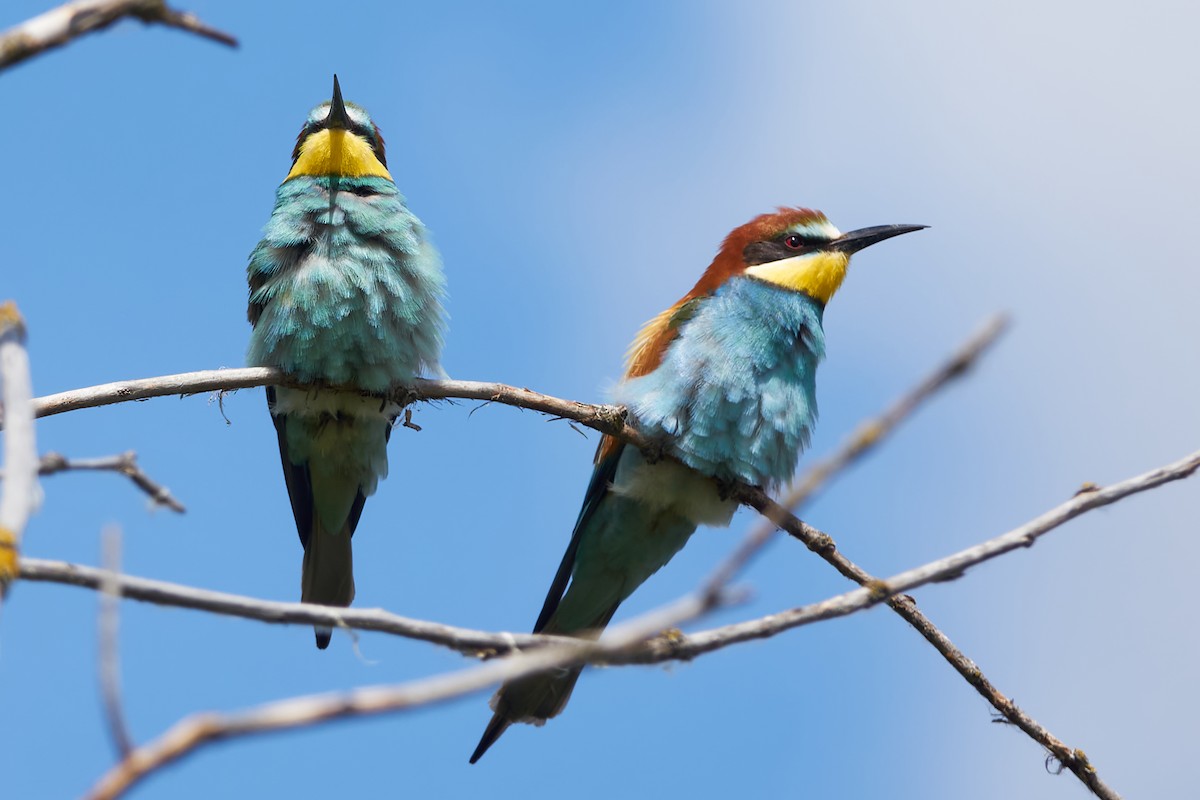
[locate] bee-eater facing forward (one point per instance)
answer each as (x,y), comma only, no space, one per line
(727,377)
(345,290)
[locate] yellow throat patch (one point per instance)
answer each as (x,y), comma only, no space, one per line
(337,152)
(817,274)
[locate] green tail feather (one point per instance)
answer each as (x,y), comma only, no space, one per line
(327,577)
(327,501)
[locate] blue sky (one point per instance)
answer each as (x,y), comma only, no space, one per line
(578,166)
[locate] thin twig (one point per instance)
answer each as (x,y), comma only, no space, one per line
(123,464)
(109,652)
(59,26)
(20,494)
(196,731)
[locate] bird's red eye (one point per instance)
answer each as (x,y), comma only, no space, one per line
(794,241)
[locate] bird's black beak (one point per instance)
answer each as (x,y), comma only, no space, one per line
(338,119)
(854,241)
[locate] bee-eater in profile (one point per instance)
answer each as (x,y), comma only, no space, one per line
(345,292)
(726,377)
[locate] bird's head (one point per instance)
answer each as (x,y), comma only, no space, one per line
(797,249)
(339,138)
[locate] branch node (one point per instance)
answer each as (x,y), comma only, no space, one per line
(612,418)
(670,645)
(822,543)
(401,395)
(52,462)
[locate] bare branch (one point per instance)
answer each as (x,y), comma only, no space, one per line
(866,437)
(59,26)
(191,733)
(124,464)
(462,640)
(20,494)
(182,384)
(604,418)
(944,569)
(194,732)
(676,647)
(199,730)
(823,545)
(109,658)
(610,419)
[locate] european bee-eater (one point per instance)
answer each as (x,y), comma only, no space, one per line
(726,377)
(345,291)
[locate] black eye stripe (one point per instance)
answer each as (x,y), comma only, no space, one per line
(355,128)
(786,245)
(796,240)
(366,132)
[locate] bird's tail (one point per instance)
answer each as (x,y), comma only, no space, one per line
(533,700)
(333,447)
(491,733)
(327,577)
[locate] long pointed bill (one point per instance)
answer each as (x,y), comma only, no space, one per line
(854,241)
(338,119)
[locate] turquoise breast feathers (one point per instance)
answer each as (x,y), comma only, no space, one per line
(350,291)
(736,390)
